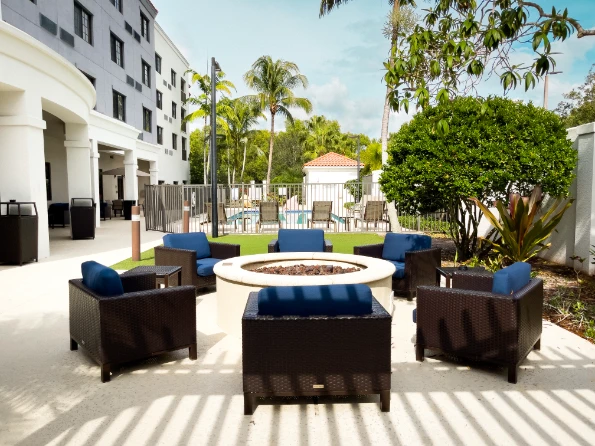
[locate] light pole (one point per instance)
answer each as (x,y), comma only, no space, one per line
(359,186)
(546,87)
(215,68)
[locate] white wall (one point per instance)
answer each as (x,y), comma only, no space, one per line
(330,174)
(55,154)
(171,165)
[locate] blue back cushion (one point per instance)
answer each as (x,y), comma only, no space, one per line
(195,241)
(327,300)
(101,279)
(512,278)
(301,240)
(396,245)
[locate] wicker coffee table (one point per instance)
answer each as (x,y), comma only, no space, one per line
(448,271)
(163,273)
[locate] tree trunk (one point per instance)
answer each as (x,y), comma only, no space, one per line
(228,166)
(391,208)
(272,141)
(244,163)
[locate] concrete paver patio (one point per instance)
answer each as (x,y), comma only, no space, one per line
(50,395)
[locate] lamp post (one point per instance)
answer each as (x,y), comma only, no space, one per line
(215,68)
(546,87)
(359,187)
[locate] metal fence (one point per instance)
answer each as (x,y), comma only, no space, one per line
(336,207)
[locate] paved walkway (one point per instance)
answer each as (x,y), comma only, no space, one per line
(50,395)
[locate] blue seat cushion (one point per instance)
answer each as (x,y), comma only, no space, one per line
(195,241)
(204,267)
(396,245)
(415,315)
(400,272)
(511,279)
(101,280)
(301,240)
(326,300)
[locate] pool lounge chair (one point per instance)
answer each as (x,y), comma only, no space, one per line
(269,215)
(321,213)
(221,216)
(374,212)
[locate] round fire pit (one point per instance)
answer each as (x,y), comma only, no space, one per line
(237,277)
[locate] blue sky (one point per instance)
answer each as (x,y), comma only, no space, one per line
(341,54)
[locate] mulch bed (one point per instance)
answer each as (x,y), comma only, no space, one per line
(306,270)
(557,279)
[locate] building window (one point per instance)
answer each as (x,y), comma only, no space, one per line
(48,181)
(173,78)
(119,106)
(174,141)
(159,100)
(182,84)
(117,4)
(91,78)
(117,50)
(184,154)
(146,74)
(144,26)
(159,135)
(83,23)
(182,116)
(174,110)
(147,121)
(158,63)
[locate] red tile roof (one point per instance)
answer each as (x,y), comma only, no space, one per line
(333,159)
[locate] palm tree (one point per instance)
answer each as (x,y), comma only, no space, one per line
(323,136)
(238,118)
(203,103)
(274,82)
(397,22)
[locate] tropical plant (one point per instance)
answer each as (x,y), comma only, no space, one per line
(579,106)
(463,40)
(512,148)
(202,104)
(522,231)
(371,157)
(238,118)
(274,82)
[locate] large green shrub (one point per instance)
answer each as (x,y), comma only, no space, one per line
(495,147)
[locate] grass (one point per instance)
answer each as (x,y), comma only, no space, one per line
(257,244)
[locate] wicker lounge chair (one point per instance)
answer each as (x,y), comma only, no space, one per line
(412,255)
(142,322)
(374,212)
(118,206)
(82,218)
(221,216)
(196,255)
(470,321)
(321,213)
(269,215)
(313,354)
(300,240)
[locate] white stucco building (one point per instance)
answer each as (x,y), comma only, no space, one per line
(57,130)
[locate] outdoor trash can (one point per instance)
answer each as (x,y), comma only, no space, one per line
(128,208)
(82,218)
(18,232)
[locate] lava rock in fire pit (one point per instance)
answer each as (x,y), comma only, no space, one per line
(306,270)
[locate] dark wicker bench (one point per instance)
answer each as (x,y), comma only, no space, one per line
(138,324)
(316,355)
(469,321)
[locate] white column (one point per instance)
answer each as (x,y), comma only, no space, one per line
(78,151)
(154,171)
(130,179)
(22,158)
(95,180)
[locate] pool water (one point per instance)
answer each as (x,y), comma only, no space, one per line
(290,217)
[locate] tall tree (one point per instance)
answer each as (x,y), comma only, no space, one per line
(202,102)
(239,116)
(461,41)
(579,105)
(399,20)
(274,82)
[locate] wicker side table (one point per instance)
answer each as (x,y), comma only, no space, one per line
(448,271)
(164,273)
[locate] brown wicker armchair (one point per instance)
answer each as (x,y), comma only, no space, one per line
(420,267)
(469,321)
(143,322)
(315,355)
(186,258)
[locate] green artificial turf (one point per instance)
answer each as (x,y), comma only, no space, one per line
(258,244)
